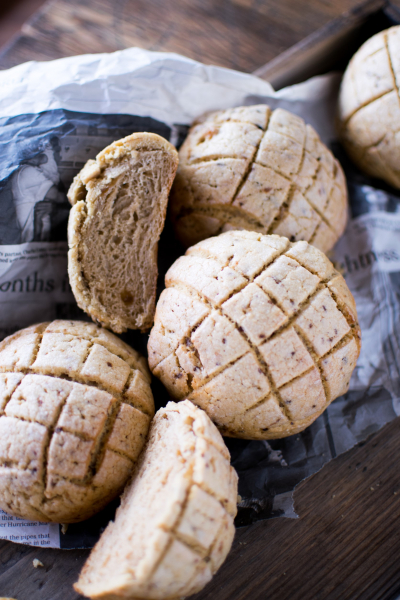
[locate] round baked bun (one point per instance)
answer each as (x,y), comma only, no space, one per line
(261,170)
(369,107)
(75,408)
(174,527)
(260,332)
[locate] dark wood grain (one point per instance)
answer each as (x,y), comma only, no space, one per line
(240,34)
(13,15)
(325,47)
(344,546)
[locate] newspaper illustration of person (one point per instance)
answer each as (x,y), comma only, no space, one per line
(38,193)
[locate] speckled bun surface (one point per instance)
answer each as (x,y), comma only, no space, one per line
(260,332)
(174,527)
(75,408)
(369,107)
(260,170)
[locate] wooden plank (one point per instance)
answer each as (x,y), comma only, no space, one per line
(240,34)
(13,15)
(323,49)
(345,545)
(19,579)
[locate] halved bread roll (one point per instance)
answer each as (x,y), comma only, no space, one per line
(119,206)
(174,527)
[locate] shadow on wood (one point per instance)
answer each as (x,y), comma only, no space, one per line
(345,545)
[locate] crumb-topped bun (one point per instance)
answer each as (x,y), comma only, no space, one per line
(261,170)
(119,206)
(260,332)
(369,106)
(75,408)
(174,527)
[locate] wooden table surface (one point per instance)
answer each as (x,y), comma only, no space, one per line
(346,543)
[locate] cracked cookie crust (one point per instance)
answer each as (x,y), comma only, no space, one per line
(260,170)
(369,107)
(260,332)
(75,408)
(174,527)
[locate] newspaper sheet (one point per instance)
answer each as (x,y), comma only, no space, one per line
(55,115)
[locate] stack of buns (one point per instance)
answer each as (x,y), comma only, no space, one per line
(254,334)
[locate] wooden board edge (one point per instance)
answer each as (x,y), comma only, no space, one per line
(319,51)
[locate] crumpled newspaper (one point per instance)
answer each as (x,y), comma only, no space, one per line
(55,115)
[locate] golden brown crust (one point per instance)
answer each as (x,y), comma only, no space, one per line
(175,526)
(369,106)
(250,168)
(259,332)
(75,407)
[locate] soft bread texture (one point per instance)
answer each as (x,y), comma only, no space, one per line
(260,332)
(174,527)
(119,206)
(75,408)
(369,107)
(261,170)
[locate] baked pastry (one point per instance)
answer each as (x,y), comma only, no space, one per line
(119,206)
(369,107)
(75,408)
(260,332)
(174,527)
(261,170)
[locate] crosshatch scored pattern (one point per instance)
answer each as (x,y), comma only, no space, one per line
(75,407)
(260,332)
(369,106)
(176,516)
(261,170)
